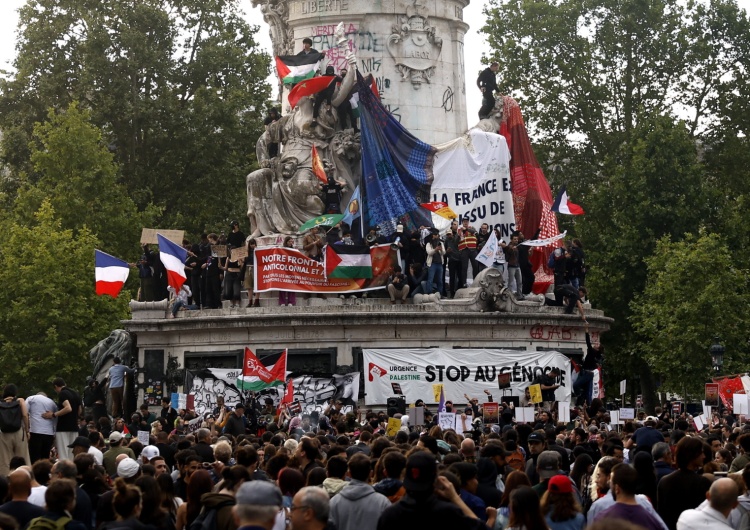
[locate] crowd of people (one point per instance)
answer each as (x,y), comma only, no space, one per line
(69,465)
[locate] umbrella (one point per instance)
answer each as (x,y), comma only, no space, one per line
(323,220)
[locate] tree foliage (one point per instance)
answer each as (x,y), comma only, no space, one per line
(601,83)
(50,315)
(177,89)
(78,176)
(694,291)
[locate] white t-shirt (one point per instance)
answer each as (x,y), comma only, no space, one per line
(37,496)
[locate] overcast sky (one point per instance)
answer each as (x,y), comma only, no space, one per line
(474,45)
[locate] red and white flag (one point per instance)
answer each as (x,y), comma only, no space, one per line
(563,205)
(173,257)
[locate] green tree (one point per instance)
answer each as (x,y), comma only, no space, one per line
(50,315)
(78,176)
(694,291)
(177,87)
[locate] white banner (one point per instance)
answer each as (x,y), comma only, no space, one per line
(313,393)
(462,371)
(472,176)
(544,242)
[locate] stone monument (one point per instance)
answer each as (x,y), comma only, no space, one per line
(413,49)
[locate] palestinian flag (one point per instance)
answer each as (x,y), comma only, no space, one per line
(257,374)
(295,68)
(348,261)
(309,87)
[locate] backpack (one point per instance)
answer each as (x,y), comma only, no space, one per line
(44,523)
(10,416)
(206,520)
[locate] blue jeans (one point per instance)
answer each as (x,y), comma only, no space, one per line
(178,304)
(583,384)
(435,274)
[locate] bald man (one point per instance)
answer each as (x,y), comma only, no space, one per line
(722,499)
(19,507)
(469,450)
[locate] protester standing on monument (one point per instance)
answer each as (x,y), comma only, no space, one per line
(487,83)
(116,377)
(307,47)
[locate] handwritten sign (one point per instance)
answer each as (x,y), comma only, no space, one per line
(148,236)
(446,420)
(627,414)
(239,253)
(143,437)
(219,250)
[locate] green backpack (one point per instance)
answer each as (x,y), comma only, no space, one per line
(44,523)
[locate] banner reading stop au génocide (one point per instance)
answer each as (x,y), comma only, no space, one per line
(288,269)
(461,371)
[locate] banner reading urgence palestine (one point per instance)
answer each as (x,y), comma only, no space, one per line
(288,269)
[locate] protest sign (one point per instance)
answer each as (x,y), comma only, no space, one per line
(563,411)
(627,414)
(712,394)
(143,437)
(535,391)
(462,371)
(436,392)
(238,253)
(394,425)
(446,420)
(491,412)
(148,236)
(525,414)
(220,251)
(288,269)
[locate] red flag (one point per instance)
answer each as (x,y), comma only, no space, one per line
(253,367)
(288,396)
(125,430)
(727,387)
(317,166)
(309,87)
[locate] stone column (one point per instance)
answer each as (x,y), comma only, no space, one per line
(413,48)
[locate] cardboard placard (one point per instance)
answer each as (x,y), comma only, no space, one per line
(238,253)
(148,236)
(394,424)
(491,413)
(627,414)
(535,391)
(220,251)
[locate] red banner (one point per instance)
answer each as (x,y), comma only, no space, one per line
(288,269)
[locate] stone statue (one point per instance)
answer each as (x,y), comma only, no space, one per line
(285,193)
(118,344)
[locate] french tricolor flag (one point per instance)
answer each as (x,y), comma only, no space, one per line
(563,205)
(173,257)
(111,274)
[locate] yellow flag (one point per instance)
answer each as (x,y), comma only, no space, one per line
(535,391)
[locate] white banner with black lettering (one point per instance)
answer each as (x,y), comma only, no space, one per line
(313,393)
(472,176)
(461,371)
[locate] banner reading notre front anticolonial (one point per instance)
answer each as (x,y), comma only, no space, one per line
(288,269)
(461,371)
